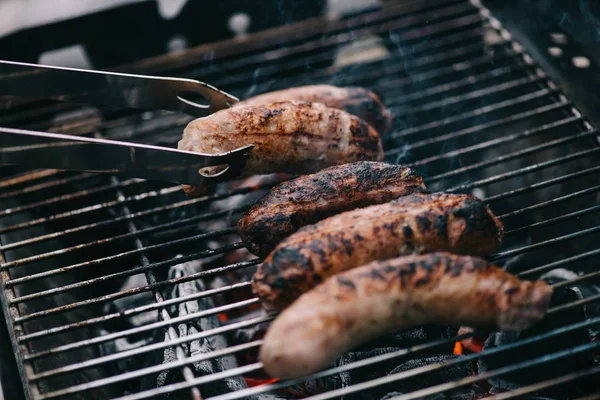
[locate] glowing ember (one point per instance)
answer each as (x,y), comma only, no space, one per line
(458,348)
(471,345)
(251,382)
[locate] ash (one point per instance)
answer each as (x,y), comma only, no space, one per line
(192,327)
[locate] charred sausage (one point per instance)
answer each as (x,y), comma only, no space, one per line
(289,137)
(417,223)
(311,198)
(355,100)
(386,296)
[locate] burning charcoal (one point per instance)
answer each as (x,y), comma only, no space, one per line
(464,394)
(554,344)
(196,347)
(121,305)
(414,337)
(582,289)
(435,377)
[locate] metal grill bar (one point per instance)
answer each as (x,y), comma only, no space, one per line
(142,289)
(445,42)
(545,384)
(475,113)
(148,267)
(142,268)
(164,316)
(500,371)
(384,380)
(500,141)
(100,360)
(145,213)
(127,332)
(522,171)
(155,369)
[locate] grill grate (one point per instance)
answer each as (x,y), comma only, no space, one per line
(472,112)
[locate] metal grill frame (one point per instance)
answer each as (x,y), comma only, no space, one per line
(289,46)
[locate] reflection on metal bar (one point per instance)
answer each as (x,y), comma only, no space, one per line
(114,296)
(515,393)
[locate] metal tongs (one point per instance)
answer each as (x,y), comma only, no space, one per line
(68,152)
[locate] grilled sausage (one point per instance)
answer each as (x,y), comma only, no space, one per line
(311,198)
(289,137)
(386,296)
(356,100)
(418,223)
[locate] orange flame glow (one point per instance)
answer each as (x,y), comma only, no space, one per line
(251,382)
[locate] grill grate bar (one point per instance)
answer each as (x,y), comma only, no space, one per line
(139,233)
(281,61)
(45,185)
(551,221)
(28,177)
(395,86)
(500,87)
(500,141)
(148,212)
(388,356)
(167,344)
(478,112)
(170,332)
(69,197)
(515,393)
(545,243)
(141,289)
(133,271)
(184,385)
(95,207)
(206,253)
(132,311)
(560,263)
(155,369)
(116,335)
(490,374)
(556,200)
(523,171)
(187,339)
(459,83)
(511,156)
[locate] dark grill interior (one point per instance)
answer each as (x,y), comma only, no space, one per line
(118,287)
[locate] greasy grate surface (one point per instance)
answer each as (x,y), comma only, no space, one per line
(472,112)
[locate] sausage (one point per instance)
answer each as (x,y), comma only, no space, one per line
(289,137)
(386,296)
(355,100)
(418,223)
(311,198)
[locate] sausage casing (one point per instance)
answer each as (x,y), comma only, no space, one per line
(311,198)
(288,137)
(386,296)
(418,223)
(355,100)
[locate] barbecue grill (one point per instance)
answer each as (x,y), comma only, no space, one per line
(124,288)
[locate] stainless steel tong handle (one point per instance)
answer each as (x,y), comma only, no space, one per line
(110,88)
(56,151)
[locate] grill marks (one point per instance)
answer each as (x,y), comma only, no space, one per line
(357,101)
(417,223)
(289,137)
(311,198)
(396,294)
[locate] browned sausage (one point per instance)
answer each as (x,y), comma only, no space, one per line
(386,296)
(417,223)
(289,137)
(356,100)
(311,198)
